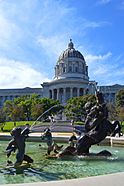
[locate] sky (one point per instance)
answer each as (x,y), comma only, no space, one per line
(33,33)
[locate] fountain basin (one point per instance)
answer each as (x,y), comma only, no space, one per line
(44,169)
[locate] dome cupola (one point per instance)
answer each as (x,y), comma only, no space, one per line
(70,64)
(70,52)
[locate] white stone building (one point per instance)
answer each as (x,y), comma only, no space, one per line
(110,92)
(71,80)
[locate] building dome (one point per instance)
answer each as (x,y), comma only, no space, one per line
(70,52)
(71,64)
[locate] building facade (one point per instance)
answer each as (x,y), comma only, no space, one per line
(10,94)
(109,92)
(71,80)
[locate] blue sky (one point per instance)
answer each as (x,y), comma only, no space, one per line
(33,33)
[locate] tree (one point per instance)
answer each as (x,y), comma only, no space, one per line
(113,113)
(13,112)
(2,118)
(50,107)
(75,106)
(120,104)
(121,114)
(30,107)
(8,107)
(36,110)
(25,102)
(119,99)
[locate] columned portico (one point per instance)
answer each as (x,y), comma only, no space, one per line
(65,93)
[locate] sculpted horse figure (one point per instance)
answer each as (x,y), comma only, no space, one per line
(97,126)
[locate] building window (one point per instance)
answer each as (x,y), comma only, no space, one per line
(70,69)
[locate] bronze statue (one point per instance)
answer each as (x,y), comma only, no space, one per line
(97,126)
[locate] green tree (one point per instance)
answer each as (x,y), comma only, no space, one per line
(2,118)
(75,106)
(13,112)
(50,107)
(113,112)
(36,110)
(25,102)
(30,107)
(121,114)
(8,107)
(119,98)
(120,104)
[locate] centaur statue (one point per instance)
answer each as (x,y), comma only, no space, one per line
(97,125)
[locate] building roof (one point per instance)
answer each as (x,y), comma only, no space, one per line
(70,52)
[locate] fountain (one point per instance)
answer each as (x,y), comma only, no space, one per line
(44,169)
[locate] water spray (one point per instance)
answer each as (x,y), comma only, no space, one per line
(54,106)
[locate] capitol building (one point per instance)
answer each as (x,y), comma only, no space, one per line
(71,80)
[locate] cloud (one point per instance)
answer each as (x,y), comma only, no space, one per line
(97,58)
(52,45)
(41,27)
(17,74)
(7,32)
(37,32)
(87,24)
(106,69)
(104,2)
(121,5)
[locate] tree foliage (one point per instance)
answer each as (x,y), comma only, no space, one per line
(30,108)
(120,98)
(113,112)
(120,111)
(2,117)
(75,107)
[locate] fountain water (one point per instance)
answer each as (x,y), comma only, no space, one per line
(40,117)
(57,169)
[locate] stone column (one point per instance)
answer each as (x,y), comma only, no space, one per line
(71,92)
(78,92)
(64,95)
(57,94)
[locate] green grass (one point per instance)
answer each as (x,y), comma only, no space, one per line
(10,125)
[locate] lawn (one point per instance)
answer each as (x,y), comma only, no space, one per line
(8,126)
